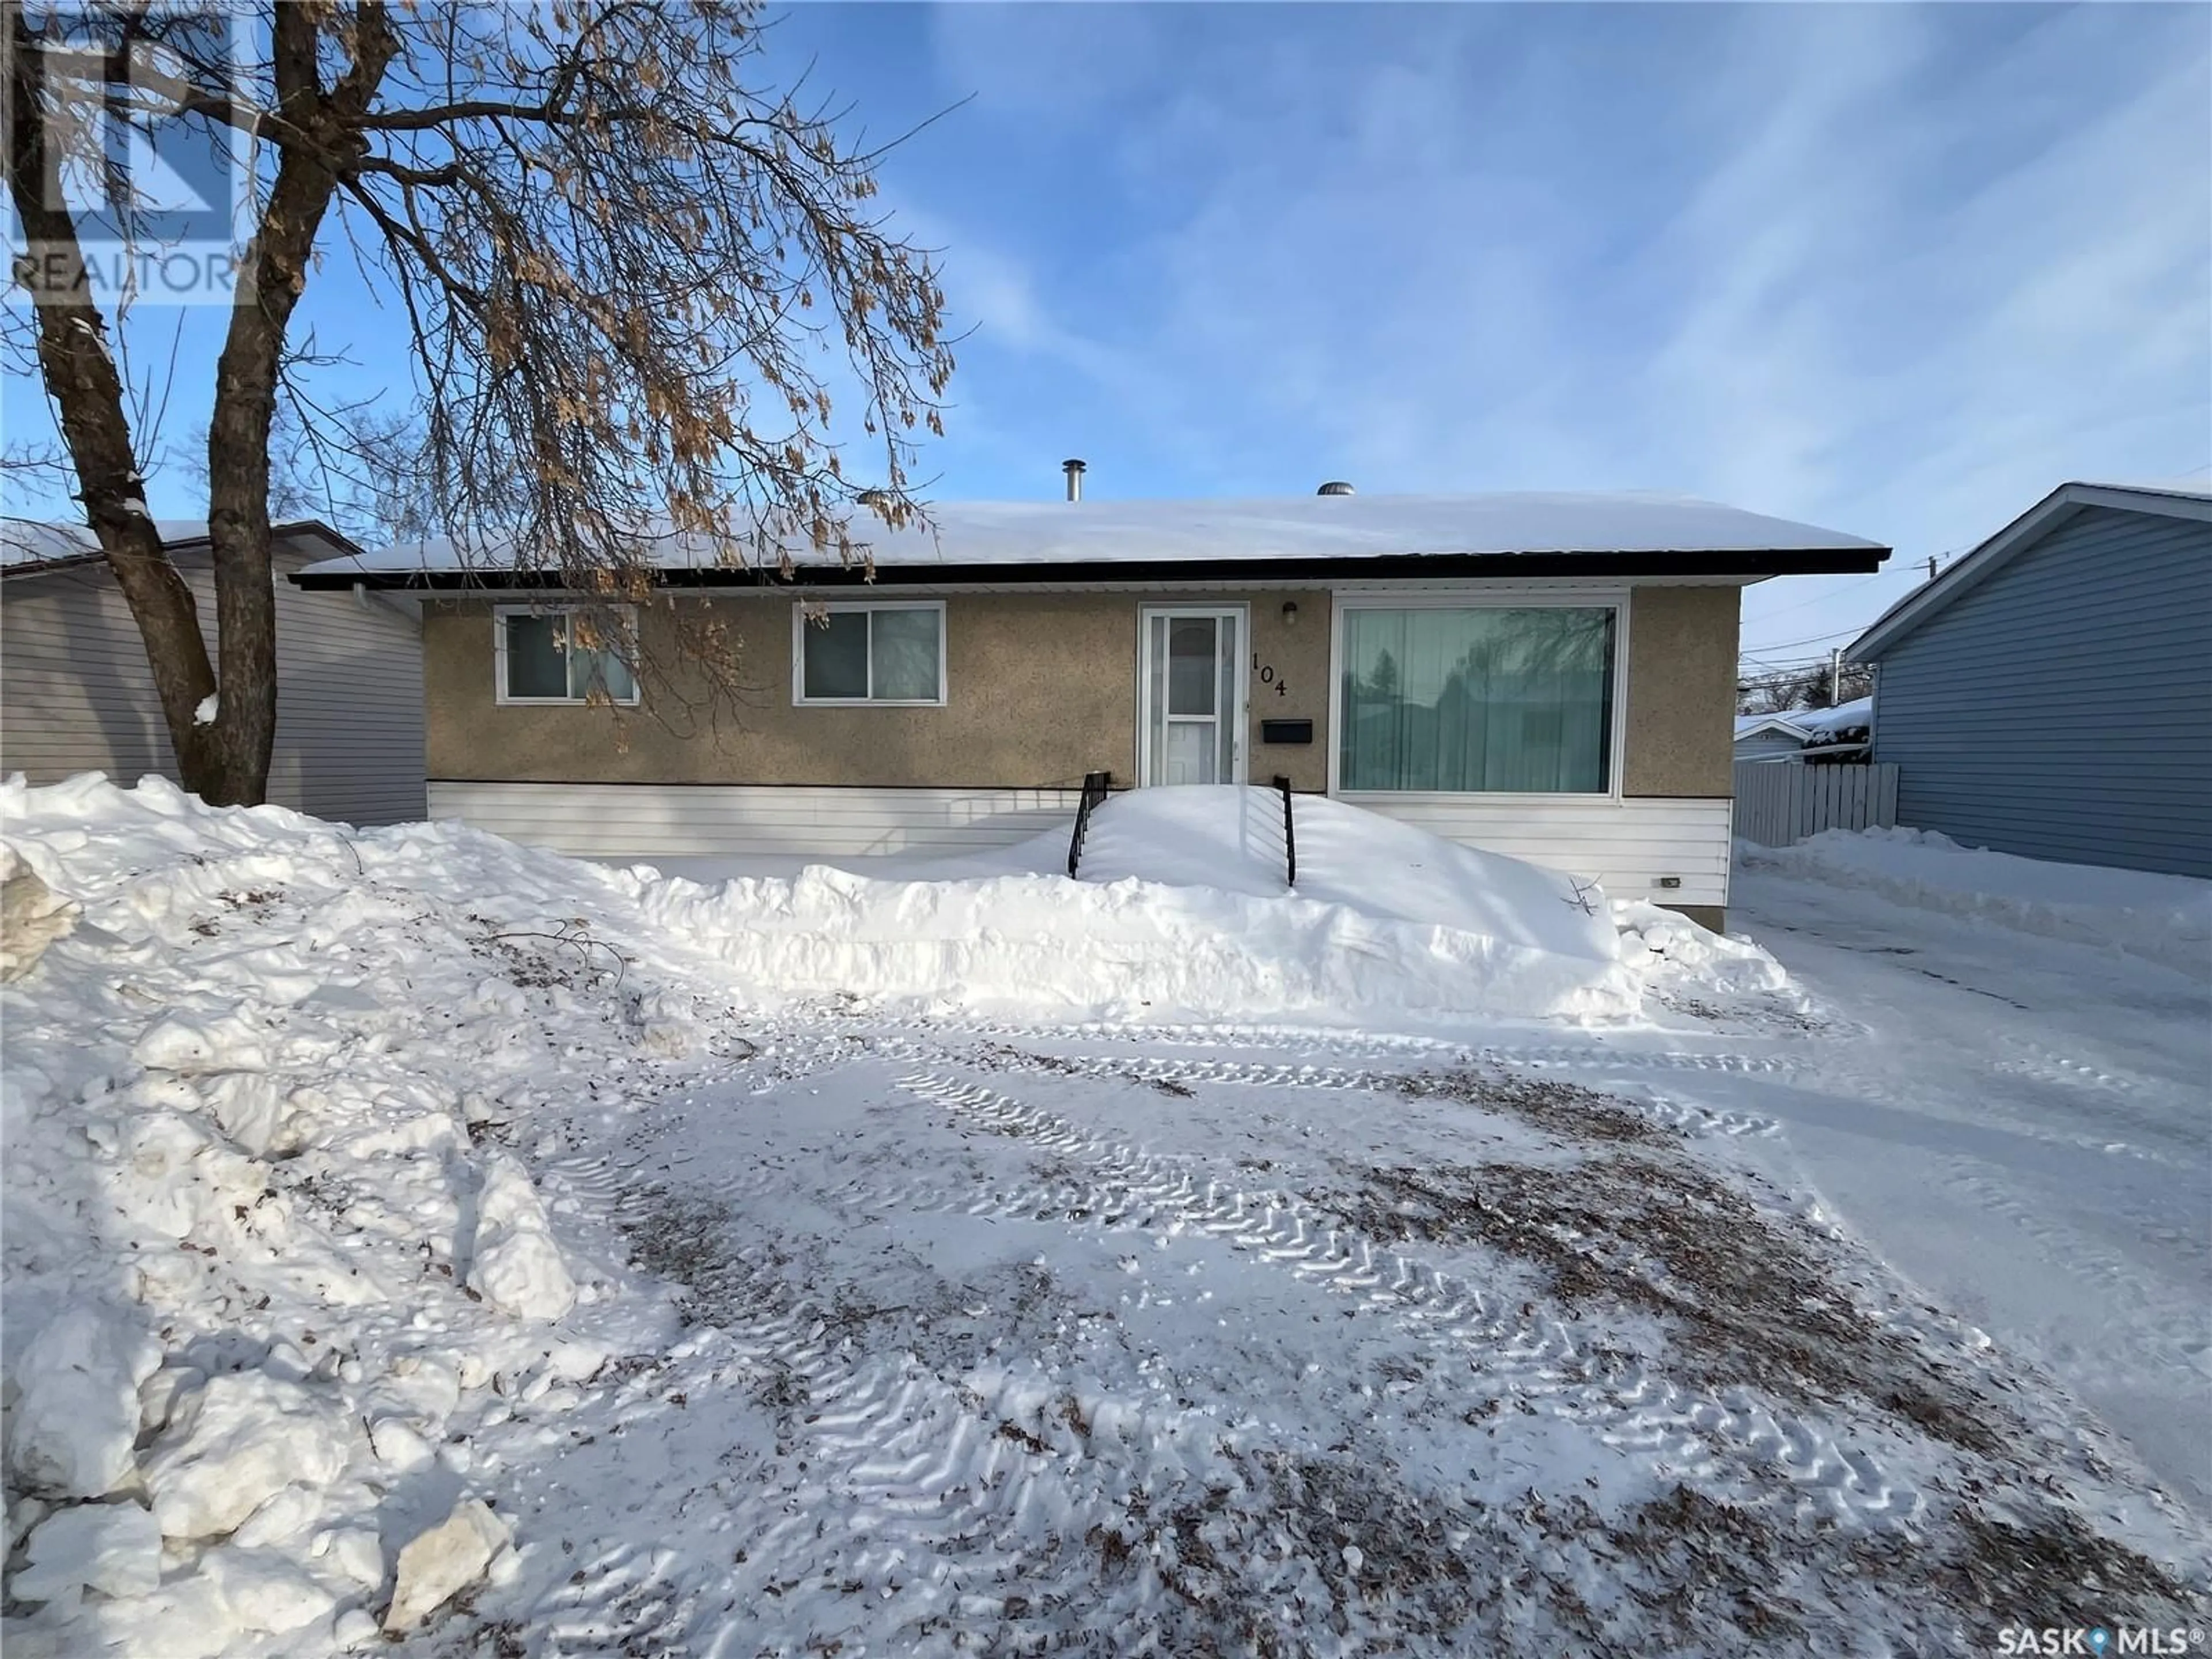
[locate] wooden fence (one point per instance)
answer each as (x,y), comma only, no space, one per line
(1778,802)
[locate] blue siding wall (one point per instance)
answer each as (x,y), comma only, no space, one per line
(2063,708)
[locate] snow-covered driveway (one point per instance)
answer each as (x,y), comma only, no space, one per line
(1535,1288)
(2023,1125)
(1207,1341)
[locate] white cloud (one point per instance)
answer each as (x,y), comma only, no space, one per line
(1898,269)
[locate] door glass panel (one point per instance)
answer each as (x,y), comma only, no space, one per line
(1231,664)
(1191,668)
(1156,695)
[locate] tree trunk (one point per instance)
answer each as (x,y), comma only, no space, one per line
(271,279)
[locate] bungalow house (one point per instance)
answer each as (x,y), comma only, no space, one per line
(2050,693)
(1768,738)
(1549,676)
(76,694)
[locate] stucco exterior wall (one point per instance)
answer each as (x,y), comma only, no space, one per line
(1297,653)
(1681,692)
(1039,690)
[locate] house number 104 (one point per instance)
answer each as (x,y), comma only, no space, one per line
(1266,674)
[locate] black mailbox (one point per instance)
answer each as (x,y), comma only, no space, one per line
(1287,731)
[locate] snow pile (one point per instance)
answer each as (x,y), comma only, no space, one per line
(1181,913)
(2164,919)
(1677,958)
(267,1274)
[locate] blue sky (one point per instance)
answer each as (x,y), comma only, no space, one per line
(1894,269)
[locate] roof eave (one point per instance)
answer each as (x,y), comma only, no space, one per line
(1990,556)
(1728,565)
(341,545)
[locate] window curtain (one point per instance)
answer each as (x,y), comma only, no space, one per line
(1477,700)
(903,646)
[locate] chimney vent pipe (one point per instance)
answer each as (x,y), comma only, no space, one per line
(1074,470)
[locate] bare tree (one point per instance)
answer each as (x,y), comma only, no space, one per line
(1805,688)
(359,469)
(618,250)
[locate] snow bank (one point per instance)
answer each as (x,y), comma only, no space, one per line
(1675,957)
(2164,919)
(1181,913)
(264,1256)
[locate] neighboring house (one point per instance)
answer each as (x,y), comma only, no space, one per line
(76,694)
(1551,676)
(2050,694)
(1768,738)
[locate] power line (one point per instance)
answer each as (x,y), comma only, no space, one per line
(1824,598)
(1838,634)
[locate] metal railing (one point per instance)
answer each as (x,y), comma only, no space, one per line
(1095,787)
(1290,833)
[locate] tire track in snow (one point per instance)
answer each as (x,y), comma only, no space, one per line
(2152,1336)
(964,1496)
(799,1051)
(1625,1402)
(1687,1116)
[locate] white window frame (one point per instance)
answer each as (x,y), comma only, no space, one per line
(799,625)
(500,613)
(1615,600)
(1240,721)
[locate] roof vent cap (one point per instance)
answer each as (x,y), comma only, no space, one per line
(1336,487)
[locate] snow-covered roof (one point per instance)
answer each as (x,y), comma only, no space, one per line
(1828,722)
(983,536)
(35,544)
(2170,499)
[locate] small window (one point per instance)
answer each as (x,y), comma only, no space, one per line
(544,658)
(853,653)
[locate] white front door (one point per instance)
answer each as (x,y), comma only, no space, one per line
(1191,695)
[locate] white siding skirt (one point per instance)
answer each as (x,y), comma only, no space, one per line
(1627,845)
(645,820)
